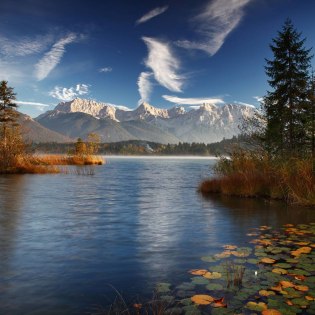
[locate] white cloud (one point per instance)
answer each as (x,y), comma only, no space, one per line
(24,46)
(193,101)
(244,104)
(144,86)
(217,20)
(163,64)
(151,14)
(259,99)
(31,103)
(68,94)
(52,58)
(106,69)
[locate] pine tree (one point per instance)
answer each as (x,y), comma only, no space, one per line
(286,106)
(8,115)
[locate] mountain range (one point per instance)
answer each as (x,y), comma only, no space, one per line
(207,123)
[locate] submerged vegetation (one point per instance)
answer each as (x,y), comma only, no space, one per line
(279,162)
(274,274)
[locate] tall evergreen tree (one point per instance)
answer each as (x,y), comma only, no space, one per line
(8,115)
(286,106)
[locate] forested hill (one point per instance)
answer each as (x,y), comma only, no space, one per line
(137,147)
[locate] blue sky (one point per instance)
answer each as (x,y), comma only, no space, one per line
(124,52)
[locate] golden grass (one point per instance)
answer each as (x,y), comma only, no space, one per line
(253,175)
(49,164)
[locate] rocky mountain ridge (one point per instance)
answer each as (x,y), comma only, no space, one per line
(208,123)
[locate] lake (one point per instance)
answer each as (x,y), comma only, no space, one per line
(68,241)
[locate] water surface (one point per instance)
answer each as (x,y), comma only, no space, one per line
(67,240)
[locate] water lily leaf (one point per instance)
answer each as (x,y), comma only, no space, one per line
(198,272)
(186,286)
(301,250)
(279,271)
(287,284)
(252,261)
(271,312)
(202,299)
(224,254)
(199,280)
(219,303)
(283,265)
(229,247)
(214,287)
(267,260)
(212,275)
(292,260)
(167,298)
(266,293)
(302,243)
(186,301)
(302,288)
(259,307)
(300,302)
(191,310)
(163,287)
(209,259)
(309,298)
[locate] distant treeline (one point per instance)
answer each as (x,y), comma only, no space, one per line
(139,147)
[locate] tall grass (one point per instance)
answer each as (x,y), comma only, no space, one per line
(249,174)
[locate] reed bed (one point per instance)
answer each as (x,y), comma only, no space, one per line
(247,174)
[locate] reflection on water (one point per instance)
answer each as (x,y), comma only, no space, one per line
(65,238)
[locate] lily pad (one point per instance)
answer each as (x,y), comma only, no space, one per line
(209,259)
(199,280)
(163,287)
(212,275)
(202,299)
(258,307)
(283,265)
(214,287)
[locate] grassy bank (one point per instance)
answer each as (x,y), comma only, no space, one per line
(247,174)
(48,164)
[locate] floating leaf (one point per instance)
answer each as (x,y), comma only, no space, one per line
(214,287)
(309,298)
(286,284)
(259,307)
(302,288)
(271,312)
(266,293)
(198,272)
(208,259)
(202,299)
(230,247)
(267,260)
(279,271)
(163,287)
(212,275)
(283,265)
(224,254)
(219,303)
(300,302)
(199,280)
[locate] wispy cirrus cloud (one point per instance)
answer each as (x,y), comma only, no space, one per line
(68,94)
(259,98)
(217,20)
(144,86)
(105,69)
(53,57)
(244,104)
(151,14)
(24,46)
(193,101)
(31,103)
(163,64)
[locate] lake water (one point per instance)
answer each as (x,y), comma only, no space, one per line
(66,241)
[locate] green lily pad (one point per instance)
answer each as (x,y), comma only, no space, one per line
(186,302)
(199,280)
(163,287)
(221,311)
(209,259)
(167,298)
(252,261)
(186,286)
(283,265)
(258,307)
(214,286)
(300,302)
(191,310)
